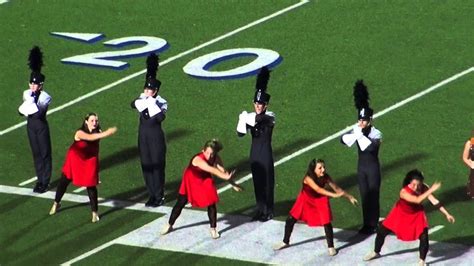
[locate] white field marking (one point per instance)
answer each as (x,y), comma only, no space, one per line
(191,235)
(84,199)
(253,242)
(139,73)
(435,229)
(79,189)
(31,180)
(3,1)
(87,254)
(342,131)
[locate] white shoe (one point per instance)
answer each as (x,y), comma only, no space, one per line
(332,251)
(214,233)
(166,229)
(95,217)
(372,255)
(422,263)
(280,245)
(54,208)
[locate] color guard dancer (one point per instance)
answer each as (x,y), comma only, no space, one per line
(197,186)
(407,220)
(81,166)
(312,205)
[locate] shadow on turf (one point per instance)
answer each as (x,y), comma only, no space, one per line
(131,153)
(395,165)
(243,166)
(91,235)
(64,208)
(399,252)
(451,196)
(350,237)
(123,198)
(443,252)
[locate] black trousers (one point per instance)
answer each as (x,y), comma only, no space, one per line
(383,231)
(369,179)
(181,202)
(264,185)
(91,191)
(40,143)
(470,184)
(152,149)
(290,224)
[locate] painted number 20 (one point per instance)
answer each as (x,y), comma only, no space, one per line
(198,68)
(104,59)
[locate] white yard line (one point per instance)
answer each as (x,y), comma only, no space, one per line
(254,240)
(171,59)
(244,240)
(83,199)
(92,252)
(31,180)
(435,229)
(342,131)
(79,189)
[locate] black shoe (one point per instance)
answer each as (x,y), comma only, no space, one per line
(367,230)
(36,188)
(153,202)
(257,216)
(40,188)
(150,202)
(266,217)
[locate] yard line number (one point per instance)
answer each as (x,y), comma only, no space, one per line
(199,67)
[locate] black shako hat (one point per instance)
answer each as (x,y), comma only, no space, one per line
(261,96)
(35,62)
(152,63)
(361,101)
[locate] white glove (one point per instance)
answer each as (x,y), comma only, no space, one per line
(140,104)
(357,132)
(250,119)
(364,142)
(28,108)
(349,139)
(30,99)
(153,108)
(243,115)
(242,127)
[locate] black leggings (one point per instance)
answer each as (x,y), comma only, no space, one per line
(91,191)
(290,224)
(181,202)
(383,231)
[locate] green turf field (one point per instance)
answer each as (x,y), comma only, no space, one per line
(399,48)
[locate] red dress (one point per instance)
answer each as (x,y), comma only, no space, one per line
(407,220)
(198,185)
(312,207)
(82,163)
